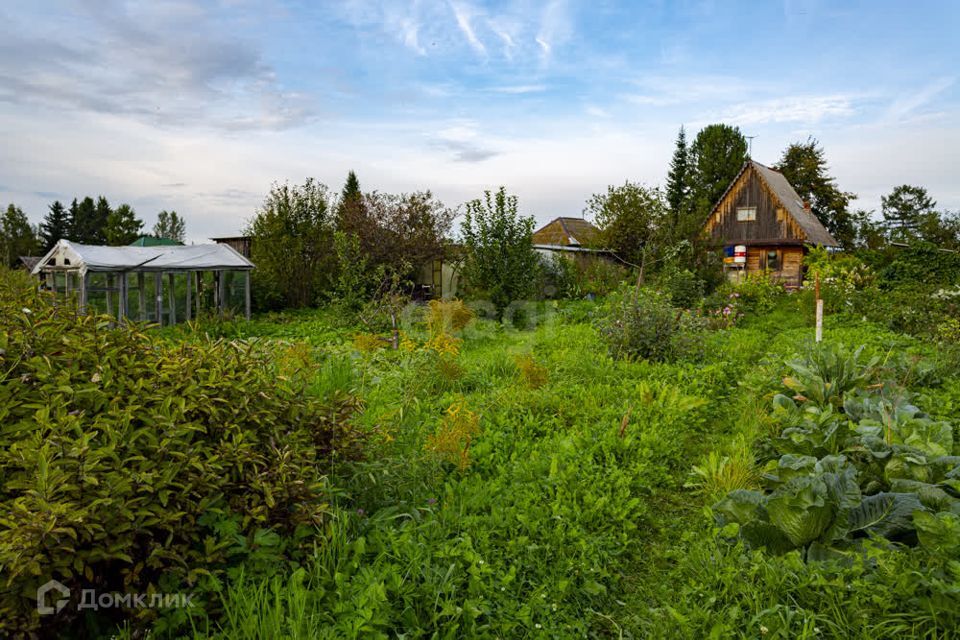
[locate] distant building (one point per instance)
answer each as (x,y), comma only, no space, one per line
(153,241)
(764,226)
(240,244)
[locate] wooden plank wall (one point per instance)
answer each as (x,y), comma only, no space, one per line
(773,223)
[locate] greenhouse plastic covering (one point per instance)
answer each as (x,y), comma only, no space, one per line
(198,257)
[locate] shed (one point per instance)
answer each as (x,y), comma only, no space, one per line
(573,238)
(85,269)
(761,214)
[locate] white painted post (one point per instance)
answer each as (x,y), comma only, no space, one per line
(819,332)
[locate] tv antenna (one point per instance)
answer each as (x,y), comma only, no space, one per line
(749,145)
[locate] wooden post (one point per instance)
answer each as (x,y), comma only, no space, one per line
(218,275)
(110,294)
(83,292)
(121,296)
(142,296)
(246,293)
(173,299)
(199,292)
(819,331)
(189,293)
(158,293)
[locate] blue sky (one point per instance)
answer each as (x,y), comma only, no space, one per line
(200,106)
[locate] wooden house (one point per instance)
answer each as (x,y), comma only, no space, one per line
(764,226)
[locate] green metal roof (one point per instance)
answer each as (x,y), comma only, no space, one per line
(153,241)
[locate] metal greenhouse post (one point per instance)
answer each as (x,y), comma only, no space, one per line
(246,293)
(142,296)
(189,293)
(158,292)
(173,299)
(83,292)
(110,294)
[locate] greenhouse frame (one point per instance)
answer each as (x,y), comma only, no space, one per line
(85,271)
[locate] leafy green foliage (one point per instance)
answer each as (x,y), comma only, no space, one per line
(123,226)
(633,221)
(856,460)
(500,261)
(804,164)
(170,225)
(17,237)
(120,454)
(642,324)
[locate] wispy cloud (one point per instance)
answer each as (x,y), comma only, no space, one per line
(464,15)
(519,89)
(805,109)
(554,28)
(904,105)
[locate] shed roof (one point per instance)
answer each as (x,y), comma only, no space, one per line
(790,200)
(197,257)
(566,232)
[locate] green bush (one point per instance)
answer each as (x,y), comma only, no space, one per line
(122,456)
(922,264)
(642,324)
(684,287)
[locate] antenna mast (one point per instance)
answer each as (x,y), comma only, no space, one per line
(750,145)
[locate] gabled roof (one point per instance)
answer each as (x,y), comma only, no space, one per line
(784,192)
(196,257)
(29,262)
(566,232)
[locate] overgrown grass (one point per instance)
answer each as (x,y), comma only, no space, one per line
(573,515)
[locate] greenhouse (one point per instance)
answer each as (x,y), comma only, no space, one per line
(149,283)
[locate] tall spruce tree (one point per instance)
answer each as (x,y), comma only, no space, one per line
(804,165)
(123,226)
(101,215)
(715,158)
(904,210)
(678,185)
(83,221)
(55,226)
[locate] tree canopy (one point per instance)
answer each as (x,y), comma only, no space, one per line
(499,260)
(171,226)
(17,236)
(715,158)
(55,226)
(804,165)
(634,221)
(123,226)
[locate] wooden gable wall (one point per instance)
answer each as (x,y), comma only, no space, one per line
(773,225)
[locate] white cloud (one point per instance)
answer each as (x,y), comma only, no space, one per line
(464,15)
(904,105)
(806,109)
(519,89)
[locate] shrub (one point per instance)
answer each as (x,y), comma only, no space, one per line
(642,324)
(119,453)
(533,373)
(684,287)
(451,441)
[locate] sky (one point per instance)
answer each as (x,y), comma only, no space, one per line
(200,107)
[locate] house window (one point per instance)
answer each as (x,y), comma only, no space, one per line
(772,261)
(746,214)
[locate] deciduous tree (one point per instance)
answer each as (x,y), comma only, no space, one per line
(292,246)
(715,158)
(171,226)
(499,260)
(123,226)
(634,221)
(17,236)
